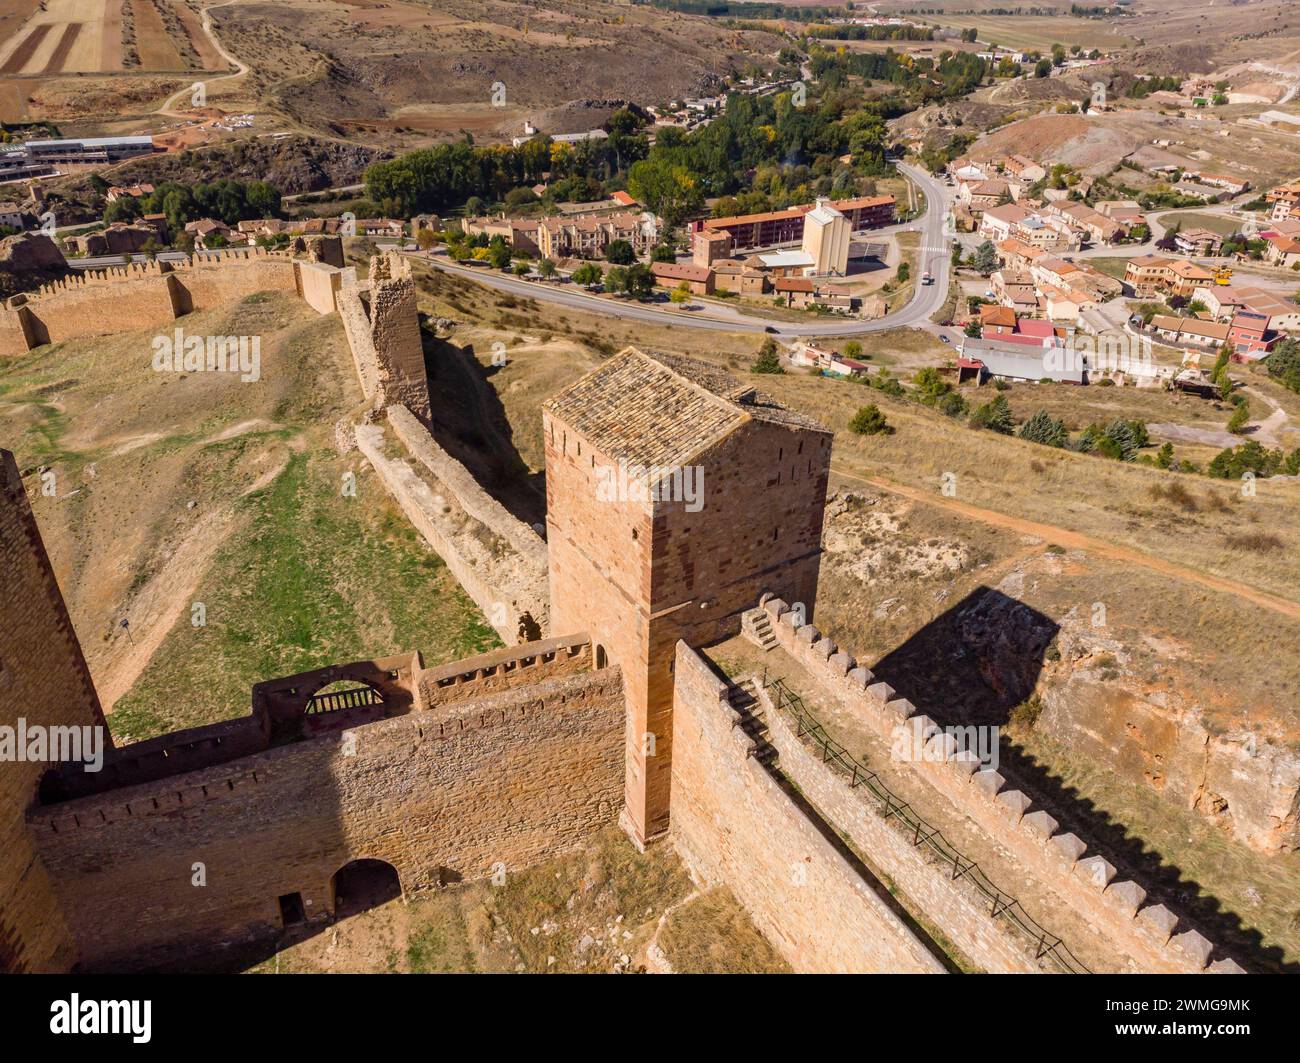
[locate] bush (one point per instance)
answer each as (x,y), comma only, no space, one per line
(1237,422)
(869,421)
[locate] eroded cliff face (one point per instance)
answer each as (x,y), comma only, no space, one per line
(1187,692)
(1097,704)
(1154,709)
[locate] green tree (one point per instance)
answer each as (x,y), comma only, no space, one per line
(1043,428)
(994,415)
(588,274)
(986,258)
(620,252)
(768,359)
(547,268)
(640,280)
(498,253)
(616,280)
(1237,422)
(869,421)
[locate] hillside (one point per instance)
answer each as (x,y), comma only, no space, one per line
(200,488)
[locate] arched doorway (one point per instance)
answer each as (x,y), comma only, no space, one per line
(361,885)
(602,660)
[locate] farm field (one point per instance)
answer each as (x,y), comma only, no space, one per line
(1040,32)
(103,36)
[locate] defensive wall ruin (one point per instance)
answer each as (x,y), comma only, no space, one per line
(506,758)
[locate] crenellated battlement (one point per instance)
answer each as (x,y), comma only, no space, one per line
(1151,933)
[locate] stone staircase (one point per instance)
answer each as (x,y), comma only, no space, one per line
(743,697)
(756,626)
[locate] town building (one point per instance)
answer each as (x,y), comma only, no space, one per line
(1197,241)
(771,229)
(826,240)
(699,280)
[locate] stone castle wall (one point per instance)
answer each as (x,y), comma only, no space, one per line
(504,583)
(318,285)
(382,325)
(954,905)
(446,794)
(1153,935)
(137,296)
(44,681)
(734,824)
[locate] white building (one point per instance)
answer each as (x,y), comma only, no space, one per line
(826,238)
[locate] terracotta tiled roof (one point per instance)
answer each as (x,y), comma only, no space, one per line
(658,409)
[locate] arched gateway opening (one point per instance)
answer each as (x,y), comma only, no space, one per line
(361,885)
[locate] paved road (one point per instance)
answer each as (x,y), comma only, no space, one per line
(926,300)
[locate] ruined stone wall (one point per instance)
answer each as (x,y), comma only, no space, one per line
(461,485)
(512,778)
(382,325)
(318,285)
(1154,936)
(125,299)
(499,580)
(733,824)
(640,575)
(44,681)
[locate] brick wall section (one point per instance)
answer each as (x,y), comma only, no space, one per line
(501,583)
(639,576)
(1154,936)
(445,794)
(137,296)
(733,824)
(956,907)
(44,679)
(505,669)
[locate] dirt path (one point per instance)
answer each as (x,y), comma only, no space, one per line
(240,68)
(1080,541)
(158,607)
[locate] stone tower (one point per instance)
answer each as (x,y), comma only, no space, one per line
(676,495)
(383,329)
(43,681)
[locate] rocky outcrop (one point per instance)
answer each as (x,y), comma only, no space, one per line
(30,251)
(28,261)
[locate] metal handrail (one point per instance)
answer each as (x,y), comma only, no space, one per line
(891,807)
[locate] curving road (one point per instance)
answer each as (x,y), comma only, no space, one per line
(934,256)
